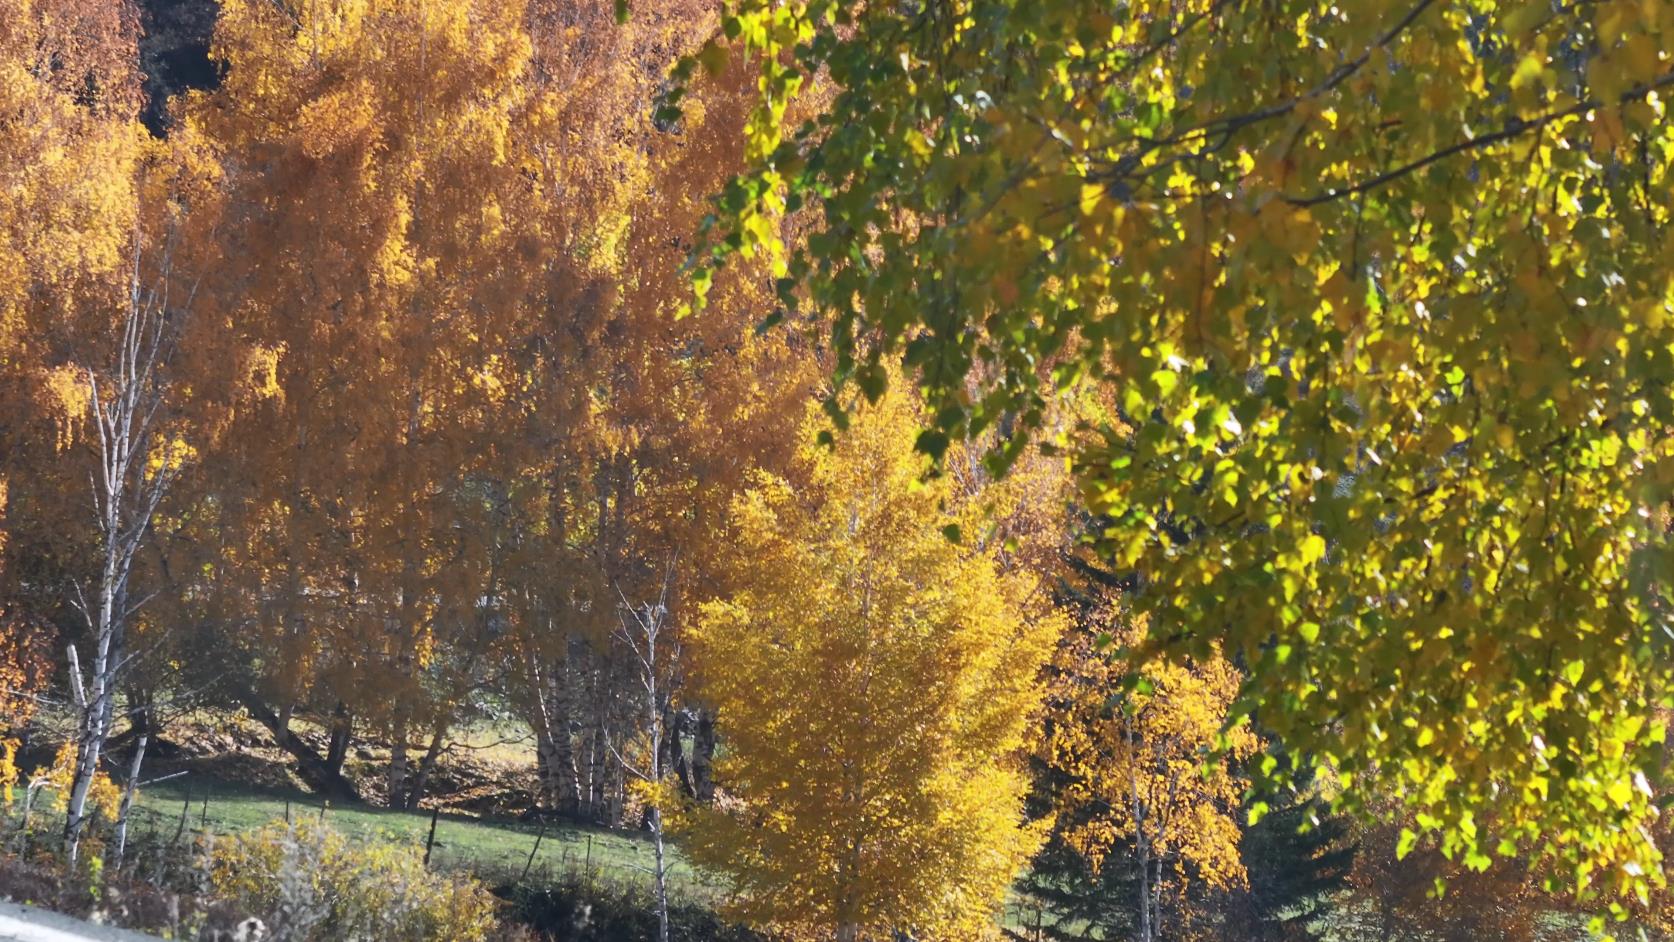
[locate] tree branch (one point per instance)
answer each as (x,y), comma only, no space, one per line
(1517,127)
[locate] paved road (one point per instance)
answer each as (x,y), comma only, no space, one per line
(28,924)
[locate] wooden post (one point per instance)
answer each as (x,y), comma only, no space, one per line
(587,868)
(430,841)
(287,811)
(324,807)
(23,828)
(185,812)
(532,852)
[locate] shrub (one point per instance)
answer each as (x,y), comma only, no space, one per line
(104,798)
(309,883)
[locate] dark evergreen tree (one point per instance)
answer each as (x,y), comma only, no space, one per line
(1297,857)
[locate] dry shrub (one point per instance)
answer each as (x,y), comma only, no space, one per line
(308,882)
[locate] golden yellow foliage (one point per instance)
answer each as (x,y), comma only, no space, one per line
(103,795)
(875,683)
(1382,287)
(1149,762)
(9,771)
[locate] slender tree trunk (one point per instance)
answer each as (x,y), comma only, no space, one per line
(1142,841)
(662,874)
(848,924)
(128,486)
(596,770)
(438,735)
(128,789)
(643,629)
(679,724)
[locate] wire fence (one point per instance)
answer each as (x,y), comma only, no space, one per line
(498,853)
(542,855)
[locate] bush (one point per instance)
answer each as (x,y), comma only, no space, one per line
(308,883)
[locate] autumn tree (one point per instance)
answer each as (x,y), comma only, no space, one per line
(1397,891)
(1382,287)
(646,426)
(368,496)
(91,313)
(68,161)
(1147,764)
(875,683)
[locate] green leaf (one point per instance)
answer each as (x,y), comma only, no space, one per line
(1405,843)
(713,57)
(932,442)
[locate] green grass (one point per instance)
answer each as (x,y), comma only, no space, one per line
(492,849)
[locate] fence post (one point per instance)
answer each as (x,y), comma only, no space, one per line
(430,841)
(185,812)
(533,851)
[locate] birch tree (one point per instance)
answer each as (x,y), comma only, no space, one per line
(1141,788)
(875,685)
(135,464)
(645,630)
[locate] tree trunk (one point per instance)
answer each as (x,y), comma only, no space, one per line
(1142,841)
(312,766)
(415,791)
(337,747)
(559,777)
(396,780)
(662,875)
(127,489)
(674,749)
(95,714)
(548,713)
(703,757)
(594,796)
(128,789)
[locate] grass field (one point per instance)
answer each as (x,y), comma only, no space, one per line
(492,849)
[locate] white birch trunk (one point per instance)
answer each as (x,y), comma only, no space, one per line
(128,485)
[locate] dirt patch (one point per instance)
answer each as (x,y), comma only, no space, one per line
(478,781)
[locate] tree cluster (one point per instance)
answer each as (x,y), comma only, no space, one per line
(1112,441)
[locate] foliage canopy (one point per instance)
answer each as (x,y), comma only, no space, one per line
(1381,289)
